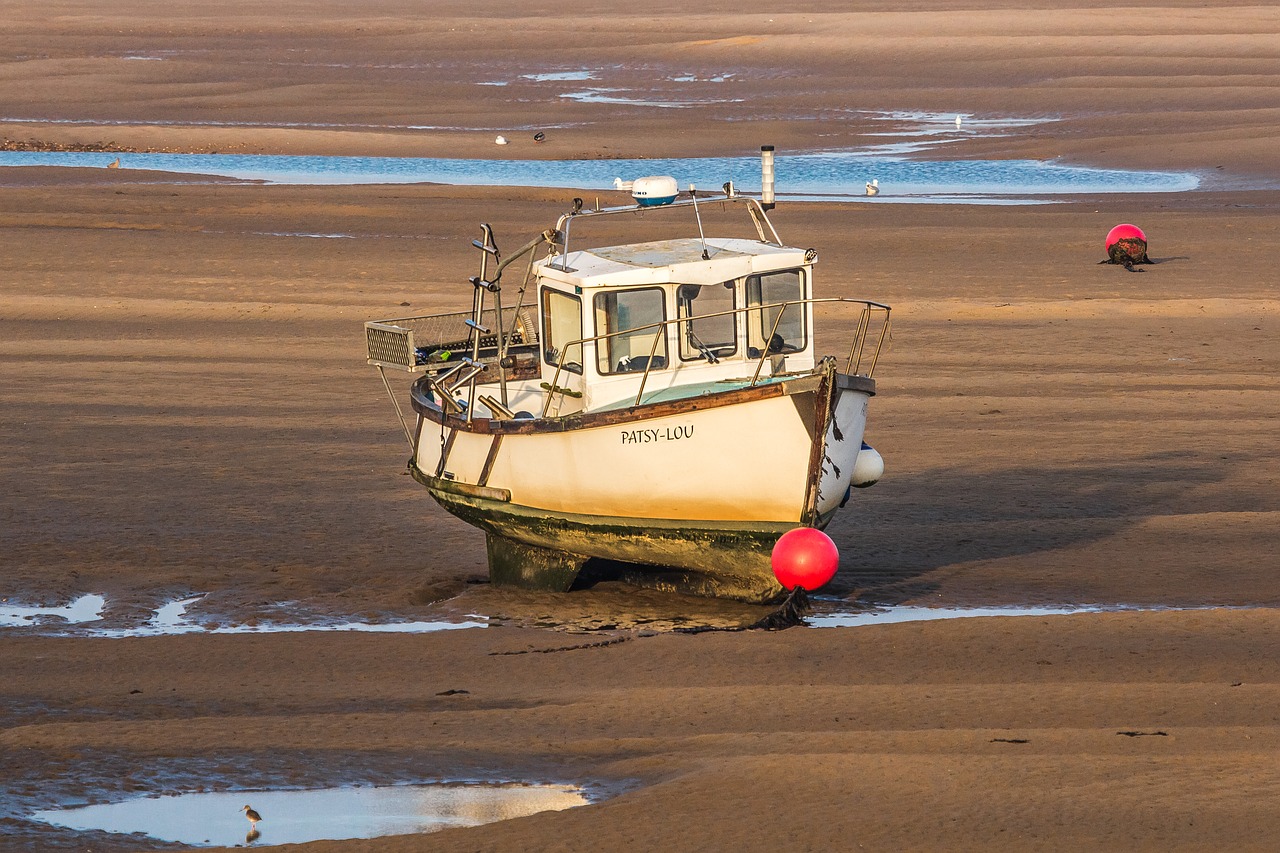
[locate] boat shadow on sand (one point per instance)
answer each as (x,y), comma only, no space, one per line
(1025,533)
(1017,536)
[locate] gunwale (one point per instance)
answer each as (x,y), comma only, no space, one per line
(778,386)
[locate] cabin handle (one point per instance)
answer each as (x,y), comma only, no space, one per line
(556,389)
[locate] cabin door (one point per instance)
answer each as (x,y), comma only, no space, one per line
(562,352)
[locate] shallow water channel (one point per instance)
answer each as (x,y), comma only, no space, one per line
(293,817)
(833,176)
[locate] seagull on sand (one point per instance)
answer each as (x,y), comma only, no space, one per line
(253,817)
(873,188)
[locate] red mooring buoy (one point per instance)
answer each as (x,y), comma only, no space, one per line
(804,557)
(1126,245)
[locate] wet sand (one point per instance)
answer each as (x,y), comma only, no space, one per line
(187,411)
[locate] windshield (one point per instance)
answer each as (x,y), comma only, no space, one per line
(623,311)
(703,335)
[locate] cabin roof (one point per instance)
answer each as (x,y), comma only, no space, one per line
(678,260)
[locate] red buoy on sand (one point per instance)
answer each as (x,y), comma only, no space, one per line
(1126,245)
(804,557)
(1124,232)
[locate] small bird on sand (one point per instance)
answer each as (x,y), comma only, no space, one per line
(873,188)
(539,137)
(253,817)
(114,164)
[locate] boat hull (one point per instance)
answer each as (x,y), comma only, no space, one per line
(723,559)
(698,489)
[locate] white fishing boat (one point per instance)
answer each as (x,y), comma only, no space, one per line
(653,411)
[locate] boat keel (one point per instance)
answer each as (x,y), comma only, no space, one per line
(516,564)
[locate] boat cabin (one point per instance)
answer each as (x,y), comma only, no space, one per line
(667,315)
(612,327)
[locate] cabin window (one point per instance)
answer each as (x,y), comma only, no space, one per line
(766,291)
(561,327)
(702,336)
(633,313)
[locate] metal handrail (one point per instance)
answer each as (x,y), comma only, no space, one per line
(768,342)
(856,349)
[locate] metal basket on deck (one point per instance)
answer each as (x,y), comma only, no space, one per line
(419,344)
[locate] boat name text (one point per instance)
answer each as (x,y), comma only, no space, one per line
(648,436)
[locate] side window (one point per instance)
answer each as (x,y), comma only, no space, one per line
(702,336)
(630,312)
(766,291)
(561,326)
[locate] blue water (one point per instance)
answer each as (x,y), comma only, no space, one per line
(840,176)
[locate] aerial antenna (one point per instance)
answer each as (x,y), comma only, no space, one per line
(693,194)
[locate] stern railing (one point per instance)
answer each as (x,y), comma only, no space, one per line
(447,348)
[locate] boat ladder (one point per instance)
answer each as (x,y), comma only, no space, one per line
(450,383)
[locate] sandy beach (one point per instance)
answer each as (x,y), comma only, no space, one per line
(187,412)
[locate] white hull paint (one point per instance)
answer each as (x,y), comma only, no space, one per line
(741,460)
(746,462)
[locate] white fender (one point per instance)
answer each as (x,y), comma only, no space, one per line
(868,469)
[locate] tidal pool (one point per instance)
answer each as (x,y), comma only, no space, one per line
(825,616)
(294,817)
(907,613)
(86,608)
(78,617)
